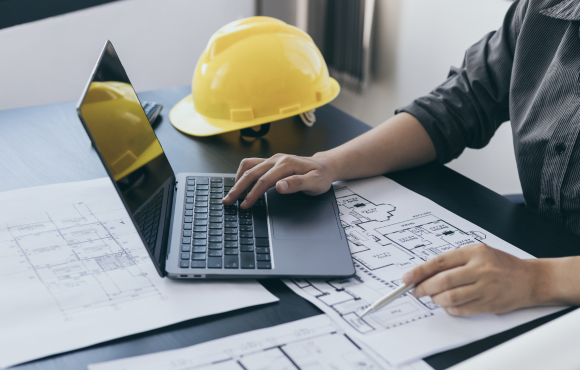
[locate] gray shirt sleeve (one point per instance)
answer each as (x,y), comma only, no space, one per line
(466,110)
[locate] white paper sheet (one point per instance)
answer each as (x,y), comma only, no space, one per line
(312,343)
(390,230)
(74,272)
(551,346)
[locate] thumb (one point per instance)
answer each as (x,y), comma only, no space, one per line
(310,183)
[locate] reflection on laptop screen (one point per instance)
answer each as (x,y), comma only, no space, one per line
(128,146)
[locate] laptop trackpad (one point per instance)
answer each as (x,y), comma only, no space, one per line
(304,220)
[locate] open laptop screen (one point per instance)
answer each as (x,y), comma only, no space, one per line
(128,147)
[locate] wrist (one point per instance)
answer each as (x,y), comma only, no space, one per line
(544,282)
(332,164)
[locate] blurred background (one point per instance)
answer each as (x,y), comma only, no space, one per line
(385,53)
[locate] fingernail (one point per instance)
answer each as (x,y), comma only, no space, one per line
(283,185)
(408,278)
(243,205)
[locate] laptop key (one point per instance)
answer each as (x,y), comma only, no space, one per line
(189,212)
(264,265)
(263,257)
(216,207)
(200,229)
(189,200)
(189,206)
(202,187)
(184,264)
(216,185)
(229,230)
(247,260)
(198,256)
(215,225)
(186,232)
(185,248)
(230,211)
(201,192)
(200,204)
(215,246)
(214,262)
(230,218)
(186,240)
(215,201)
(246,248)
(197,264)
(185,255)
(262,250)
(231,251)
(246,234)
(215,213)
(247,241)
(216,190)
(229,181)
(245,222)
(190,188)
(260,222)
(189,193)
(214,253)
(231,237)
(231,244)
(262,242)
(200,209)
(198,249)
(232,225)
(215,219)
(215,239)
(199,235)
(200,222)
(187,226)
(246,228)
(216,196)
(215,232)
(188,219)
(231,262)
(202,180)
(190,181)
(216,179)
(199,242)
(200,216)
(202,198)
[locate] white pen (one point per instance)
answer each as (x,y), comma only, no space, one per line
(388,298)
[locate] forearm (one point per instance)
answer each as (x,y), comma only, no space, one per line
(398,143)
(557,281)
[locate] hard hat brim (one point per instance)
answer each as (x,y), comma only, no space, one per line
(187,120)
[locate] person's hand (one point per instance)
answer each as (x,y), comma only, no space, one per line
(311,175)
(475,279)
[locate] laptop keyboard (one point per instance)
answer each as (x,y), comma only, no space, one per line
(148,220)
(216,236)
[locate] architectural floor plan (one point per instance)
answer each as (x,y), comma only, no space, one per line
(391,230)
(312,343)
(72,266)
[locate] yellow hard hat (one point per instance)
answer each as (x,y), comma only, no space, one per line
(254,71)
(116,120)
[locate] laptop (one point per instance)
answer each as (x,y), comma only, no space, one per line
(187,231)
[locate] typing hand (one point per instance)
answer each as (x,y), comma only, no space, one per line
(312,175)
(476,279)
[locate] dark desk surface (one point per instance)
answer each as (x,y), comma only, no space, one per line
(46,144)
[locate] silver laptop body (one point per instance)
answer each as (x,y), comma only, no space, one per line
(187,231)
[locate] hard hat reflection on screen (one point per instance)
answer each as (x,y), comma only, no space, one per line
(119,127)
(254,71)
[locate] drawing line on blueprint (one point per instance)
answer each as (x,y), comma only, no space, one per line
(85,251)
(382,250)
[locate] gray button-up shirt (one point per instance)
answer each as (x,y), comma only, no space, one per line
(527,72)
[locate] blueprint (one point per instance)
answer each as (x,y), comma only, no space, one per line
(391,230)
(74,272)
(312,343)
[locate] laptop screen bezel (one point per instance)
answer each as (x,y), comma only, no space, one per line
(159,260)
